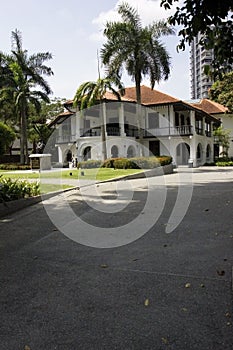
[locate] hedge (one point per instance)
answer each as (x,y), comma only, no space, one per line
(88,164)
(229,163)
(9,166)
(137,162)
(127,163)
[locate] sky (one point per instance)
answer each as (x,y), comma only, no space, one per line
(72,31)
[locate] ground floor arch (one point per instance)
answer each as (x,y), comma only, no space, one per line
(114,152)
(87,153)
(131,152)
(182,153)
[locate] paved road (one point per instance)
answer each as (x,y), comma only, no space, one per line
(165,290)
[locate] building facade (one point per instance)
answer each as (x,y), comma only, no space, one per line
(161,125)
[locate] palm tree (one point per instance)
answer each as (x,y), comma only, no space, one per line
(137,49)
(91,93)
(25,84)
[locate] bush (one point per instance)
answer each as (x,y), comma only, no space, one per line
(16,189)
(89,164)
(9,166)
(228,163)
(137,162)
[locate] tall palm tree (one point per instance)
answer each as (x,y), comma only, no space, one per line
(25,83)
(91,93)
(136,48)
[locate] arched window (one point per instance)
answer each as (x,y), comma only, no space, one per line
(114,151)
(131,152)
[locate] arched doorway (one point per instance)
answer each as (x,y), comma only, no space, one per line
(182,154)
(131,152)
(199,152)
(208,152)
(114,151)
(87,153)
(68,157)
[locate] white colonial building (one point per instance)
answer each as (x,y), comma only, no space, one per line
(162,125)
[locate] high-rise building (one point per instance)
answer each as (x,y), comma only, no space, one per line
(199,57)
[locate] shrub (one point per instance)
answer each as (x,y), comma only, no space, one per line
(8,166)
(16,189)
(137,162)
(124,163)
(227,163)
(89,164)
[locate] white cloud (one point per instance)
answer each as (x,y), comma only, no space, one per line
(148,10)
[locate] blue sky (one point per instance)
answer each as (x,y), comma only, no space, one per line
(72,31)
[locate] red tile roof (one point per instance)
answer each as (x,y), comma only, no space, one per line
(149,96)
(210,107)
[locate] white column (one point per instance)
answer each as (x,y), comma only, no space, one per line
(121,120)
(78,116)
(192,120)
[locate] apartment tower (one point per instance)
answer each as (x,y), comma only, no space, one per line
(199,57)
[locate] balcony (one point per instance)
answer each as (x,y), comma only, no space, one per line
(66,139)
(184,130)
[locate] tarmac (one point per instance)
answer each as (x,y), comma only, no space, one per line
(167,289)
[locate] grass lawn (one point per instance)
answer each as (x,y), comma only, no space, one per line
(48,188)
(99,174)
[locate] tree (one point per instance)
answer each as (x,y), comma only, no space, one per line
(136,48)
(23,83)
(222,91)
(213,20)
(91,93)
(38,130)
(223,137)
(7,137)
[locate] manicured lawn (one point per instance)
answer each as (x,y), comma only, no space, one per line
(48,188)
(86,174)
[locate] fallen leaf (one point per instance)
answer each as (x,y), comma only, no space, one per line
(165,340)
(228,323)
(227,314)
(188,285)
(104,266)
(27,347)
(146,302)
(184,309)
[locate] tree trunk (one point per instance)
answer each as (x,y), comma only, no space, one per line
(103,131)
(24,159)
(21,139)
(139,112)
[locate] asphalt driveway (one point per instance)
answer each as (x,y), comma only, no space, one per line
(162,291)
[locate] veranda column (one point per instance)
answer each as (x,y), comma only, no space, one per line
(121,120)
(77,125)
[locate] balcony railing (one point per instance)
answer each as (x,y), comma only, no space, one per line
(183,130)
(66,139)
